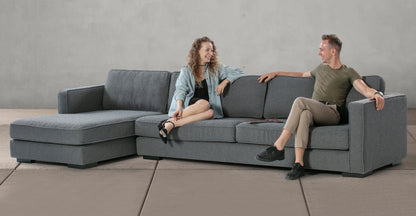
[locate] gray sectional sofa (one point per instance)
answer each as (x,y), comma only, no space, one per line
(120,118)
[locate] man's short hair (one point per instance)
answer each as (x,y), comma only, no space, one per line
(333,41)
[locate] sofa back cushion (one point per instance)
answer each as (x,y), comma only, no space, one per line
(136,90)
(244,98)
(282,91)
(247,98)
(172,87)
(375,82)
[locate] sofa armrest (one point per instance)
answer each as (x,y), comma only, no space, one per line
(82,99)
(377,138)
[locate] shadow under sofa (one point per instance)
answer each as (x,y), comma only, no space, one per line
(120,118)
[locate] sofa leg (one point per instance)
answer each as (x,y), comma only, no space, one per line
(20,160)
(357,175)
(396,163)
(86,166)
(152,157)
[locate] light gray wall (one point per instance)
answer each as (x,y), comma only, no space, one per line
(48,45)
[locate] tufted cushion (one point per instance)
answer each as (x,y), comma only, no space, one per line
(137,90)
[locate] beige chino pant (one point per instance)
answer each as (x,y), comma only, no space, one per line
(306,112)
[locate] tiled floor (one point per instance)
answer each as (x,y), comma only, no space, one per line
(133,186)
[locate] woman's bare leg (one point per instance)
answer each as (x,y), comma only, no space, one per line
(198,107)
(196,112)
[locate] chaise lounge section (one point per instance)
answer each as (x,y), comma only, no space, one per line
(94,123)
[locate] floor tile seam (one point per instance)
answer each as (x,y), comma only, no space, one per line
(304,196)
(404,169)
(123,169)
(411,135)
(11,172)
(148,189)
(203,169)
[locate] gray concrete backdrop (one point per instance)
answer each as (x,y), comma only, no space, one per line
(48,45)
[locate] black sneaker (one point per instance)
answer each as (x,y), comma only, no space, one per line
(296,172)
(271,154)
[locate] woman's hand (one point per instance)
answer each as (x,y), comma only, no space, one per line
(220,88)
(177,114)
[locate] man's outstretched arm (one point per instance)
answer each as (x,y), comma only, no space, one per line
(269,76)
(370,93)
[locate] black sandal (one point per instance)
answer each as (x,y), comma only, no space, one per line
(162,129)
(162,124)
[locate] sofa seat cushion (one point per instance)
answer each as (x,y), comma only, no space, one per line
(213,130)
(321,137)
(79,128)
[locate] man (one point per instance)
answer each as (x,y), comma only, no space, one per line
(333,81)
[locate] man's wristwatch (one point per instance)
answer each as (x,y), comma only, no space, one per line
(380,93)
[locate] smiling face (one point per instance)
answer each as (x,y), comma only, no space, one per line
(325,51)
(206,52)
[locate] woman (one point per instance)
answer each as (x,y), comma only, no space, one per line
(198,88)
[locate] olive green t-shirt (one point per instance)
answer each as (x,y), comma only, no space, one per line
(333,85)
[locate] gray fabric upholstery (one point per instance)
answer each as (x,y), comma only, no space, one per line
(375,82)
(137,90)
(241,153)
(329,137)
(147,125)
(214,130)
(82,99)
(73,155)
(244,98)
(281,93)
(259,134)
(77,129)
(371,140)
(377,138)
(324,137)
(173,77)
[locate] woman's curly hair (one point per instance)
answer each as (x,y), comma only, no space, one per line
(194,59)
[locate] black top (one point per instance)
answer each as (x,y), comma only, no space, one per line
(201,92)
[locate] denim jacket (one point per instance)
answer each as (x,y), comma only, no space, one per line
(185,87)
